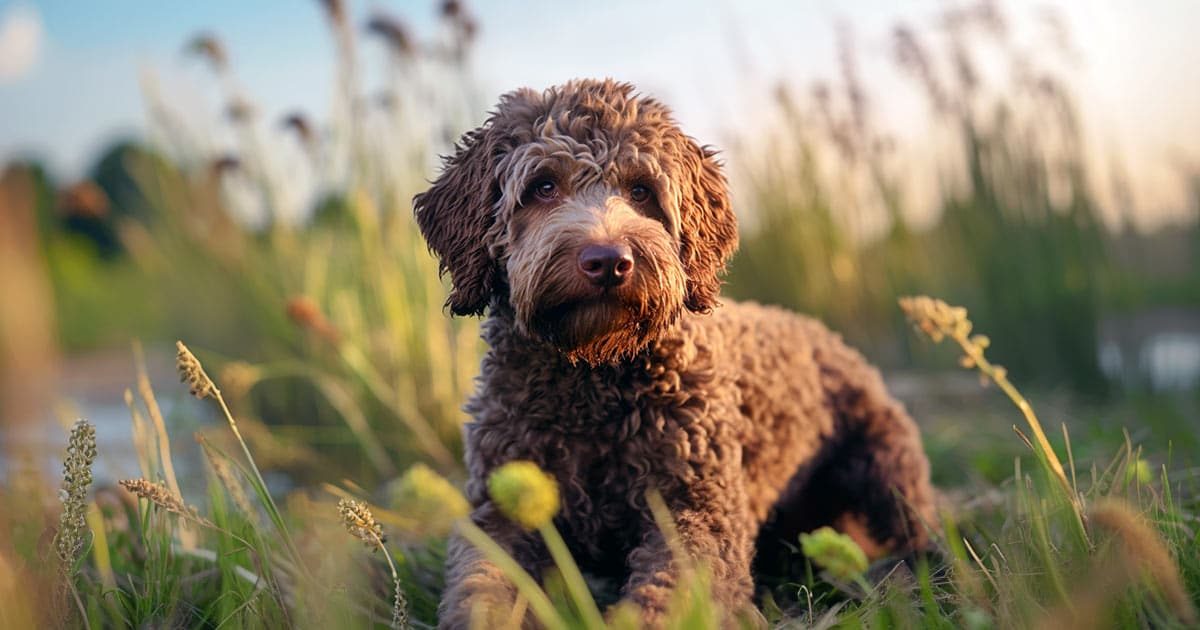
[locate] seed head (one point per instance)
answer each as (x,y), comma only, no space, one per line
(77,479)
(210,48)
(361,524)
(1143,552)
(161,496)
(393,31)
(524,493)
(936,318)
(835,552)
(192,373)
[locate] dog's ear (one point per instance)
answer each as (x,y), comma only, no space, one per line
(454,216)
(708,234)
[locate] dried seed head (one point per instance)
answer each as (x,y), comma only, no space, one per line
(524,493)
(361,524)
(935,318)
(192,373)
(224,164)
(234,487)
(299,123)
(207,45)
(1144,553)
(240,111)
(336,11)
(393,31)
(77,479)
(159,495)
(835,552)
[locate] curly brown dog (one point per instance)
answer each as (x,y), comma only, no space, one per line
(593,233)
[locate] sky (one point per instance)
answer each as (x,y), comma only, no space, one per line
(70,70)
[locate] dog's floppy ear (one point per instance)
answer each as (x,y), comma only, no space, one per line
(708,232)
(454,216)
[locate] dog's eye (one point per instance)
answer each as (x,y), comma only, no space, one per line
(544,190)
(639,193)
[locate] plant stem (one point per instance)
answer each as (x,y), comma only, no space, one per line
(526,586)
(576,585)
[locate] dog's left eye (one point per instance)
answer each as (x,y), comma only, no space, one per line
(639,193)
(545,190)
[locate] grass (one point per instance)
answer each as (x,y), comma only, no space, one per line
(1113,544)
(334,368)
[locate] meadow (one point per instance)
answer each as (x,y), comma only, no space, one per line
(321,379)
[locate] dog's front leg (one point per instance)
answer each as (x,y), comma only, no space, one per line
(477,592)
(716,537)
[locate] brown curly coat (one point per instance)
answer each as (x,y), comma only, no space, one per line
(747,419)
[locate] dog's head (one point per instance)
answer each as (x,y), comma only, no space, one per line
(588,210)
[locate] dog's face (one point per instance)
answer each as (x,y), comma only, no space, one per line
(589,211)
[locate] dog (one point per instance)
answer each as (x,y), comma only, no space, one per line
(592,233)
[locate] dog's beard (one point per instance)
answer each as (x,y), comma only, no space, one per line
(601,330)
(604,326)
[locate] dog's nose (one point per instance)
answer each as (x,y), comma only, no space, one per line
(606,265)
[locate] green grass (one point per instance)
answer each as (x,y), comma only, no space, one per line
(334,355)
(1044,550)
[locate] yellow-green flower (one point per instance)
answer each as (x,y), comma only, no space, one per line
(524,493)
(429,499)
(1139,471)
(836,553)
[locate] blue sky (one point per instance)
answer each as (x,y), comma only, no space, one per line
(713,61)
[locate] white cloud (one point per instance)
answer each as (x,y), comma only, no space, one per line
(20,41)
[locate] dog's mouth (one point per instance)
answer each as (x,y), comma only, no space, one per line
(575,322)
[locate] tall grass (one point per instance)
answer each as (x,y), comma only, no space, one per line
(336,316)
(1066,545)
(289,260)
(1018,235)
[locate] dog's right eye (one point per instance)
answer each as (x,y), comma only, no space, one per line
(544,190)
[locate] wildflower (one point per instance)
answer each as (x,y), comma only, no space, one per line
(1139,471)
(836,553)
(524,493)
(77,478)
(429,498)
(305,313)
(361,523)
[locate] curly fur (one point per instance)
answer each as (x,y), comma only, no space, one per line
(753,423)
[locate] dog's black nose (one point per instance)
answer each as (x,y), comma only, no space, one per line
(606,265)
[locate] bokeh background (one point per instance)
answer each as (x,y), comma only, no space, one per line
(239,175)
